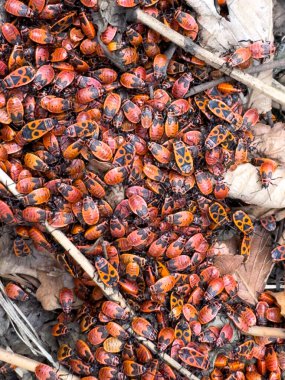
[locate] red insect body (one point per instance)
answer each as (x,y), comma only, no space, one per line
(66,299)
(16,293)
(45,372)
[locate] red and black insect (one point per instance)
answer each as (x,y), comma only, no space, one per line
(15,292)
(45,372)
(20,77)
(278,253)
(243,222)
(66,299)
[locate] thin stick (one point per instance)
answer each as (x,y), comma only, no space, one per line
(274,332)
(173,363)
(109,293)
(169,54)
(252,70)
(188,45)
(29,364)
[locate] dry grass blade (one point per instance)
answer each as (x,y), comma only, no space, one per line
(23,328)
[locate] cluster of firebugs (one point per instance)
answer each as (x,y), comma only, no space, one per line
(64,106)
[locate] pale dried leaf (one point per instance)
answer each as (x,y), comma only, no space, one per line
(253,274)
(11,264)
(244,183)
(260,128)
(221,35)
(257,212)
(279,215)
(280,298)
(270,142)
(245,180)
(256,98)
(218,33)
(224,248)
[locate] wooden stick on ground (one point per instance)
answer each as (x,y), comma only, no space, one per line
(280,63)
(110,293)
(274,332)
(211,59)
(29,364)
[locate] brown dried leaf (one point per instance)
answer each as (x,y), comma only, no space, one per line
(228,264)
(280,298)
(252,275)
(51,283)
(11,264)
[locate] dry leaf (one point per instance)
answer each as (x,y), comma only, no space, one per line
(270,142)
(245,180)
(39,265)
(223,248)
(245,185)
(11,264)
(228,264)
(257,212)
(280,298)
(221,35)
(279,215)
(252,275)
(48,291)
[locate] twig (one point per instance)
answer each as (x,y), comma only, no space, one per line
(278,85)
(109,293)
(29,364)
(163,356)
(188,45)
(274,332)
(252,70)
(169,54)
